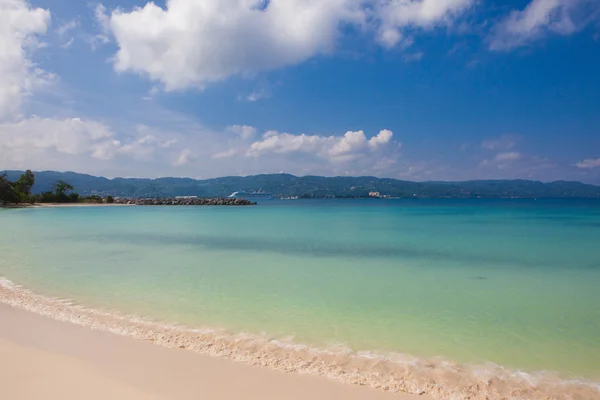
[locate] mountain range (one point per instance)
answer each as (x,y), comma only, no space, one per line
(285,185)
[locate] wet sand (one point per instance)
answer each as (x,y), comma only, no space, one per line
(168,361)
(41,358)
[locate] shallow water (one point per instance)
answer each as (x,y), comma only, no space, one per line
(511,282)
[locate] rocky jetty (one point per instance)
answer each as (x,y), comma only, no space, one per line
(184,202)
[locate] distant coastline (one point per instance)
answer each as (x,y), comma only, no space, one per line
(18,192)
(285,186)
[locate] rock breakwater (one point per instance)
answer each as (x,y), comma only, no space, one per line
(184,202)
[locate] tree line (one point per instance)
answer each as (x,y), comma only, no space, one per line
(19,192)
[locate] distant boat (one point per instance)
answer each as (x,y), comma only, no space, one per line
(260,194)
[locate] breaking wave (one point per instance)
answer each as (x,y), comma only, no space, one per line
(439,378)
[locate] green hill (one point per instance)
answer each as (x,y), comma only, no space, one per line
(284,185)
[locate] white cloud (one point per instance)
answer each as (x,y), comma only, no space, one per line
(102,18)
(383,137)
(64,33)
(144,144)
(103,21)
(38,141)
(589,163)
(350,154)
(285,143)
(42,141)
(399,15)
(254,96)
(69,136)
(512,164)
(509,156)
(191,43)
(68,43)
(185,157)
(541,17)
(225,154)
(504,142)
(20,27)
(243,131)
(353,146)
(67,27)
(32,141)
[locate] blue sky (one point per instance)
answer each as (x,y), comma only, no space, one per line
(410,89)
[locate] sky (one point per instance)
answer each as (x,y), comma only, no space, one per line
(408,89)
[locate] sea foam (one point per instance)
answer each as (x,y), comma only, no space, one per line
(441,379)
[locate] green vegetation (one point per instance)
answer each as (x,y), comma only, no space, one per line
(24,185)
(20,192)
(7,191)
(63,193)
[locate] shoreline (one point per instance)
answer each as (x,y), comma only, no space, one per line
(143,202)
(60,361)
(437,379)
(56,205)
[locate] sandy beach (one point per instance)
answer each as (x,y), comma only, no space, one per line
(63,205)
(55,205)
(42,358)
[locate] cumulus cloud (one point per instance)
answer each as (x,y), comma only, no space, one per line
(383,137)
(20,28)
(353,148)
(543,17)
(396,16)
(191,43)
(589,163)
(350,154)
(28,138)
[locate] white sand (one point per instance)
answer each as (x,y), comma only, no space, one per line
(41,358)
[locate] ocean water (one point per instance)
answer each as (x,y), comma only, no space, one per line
(515,283)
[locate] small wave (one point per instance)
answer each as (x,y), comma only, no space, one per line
(7,283)
(441,379)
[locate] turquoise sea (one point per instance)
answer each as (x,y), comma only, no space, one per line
(510,282)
